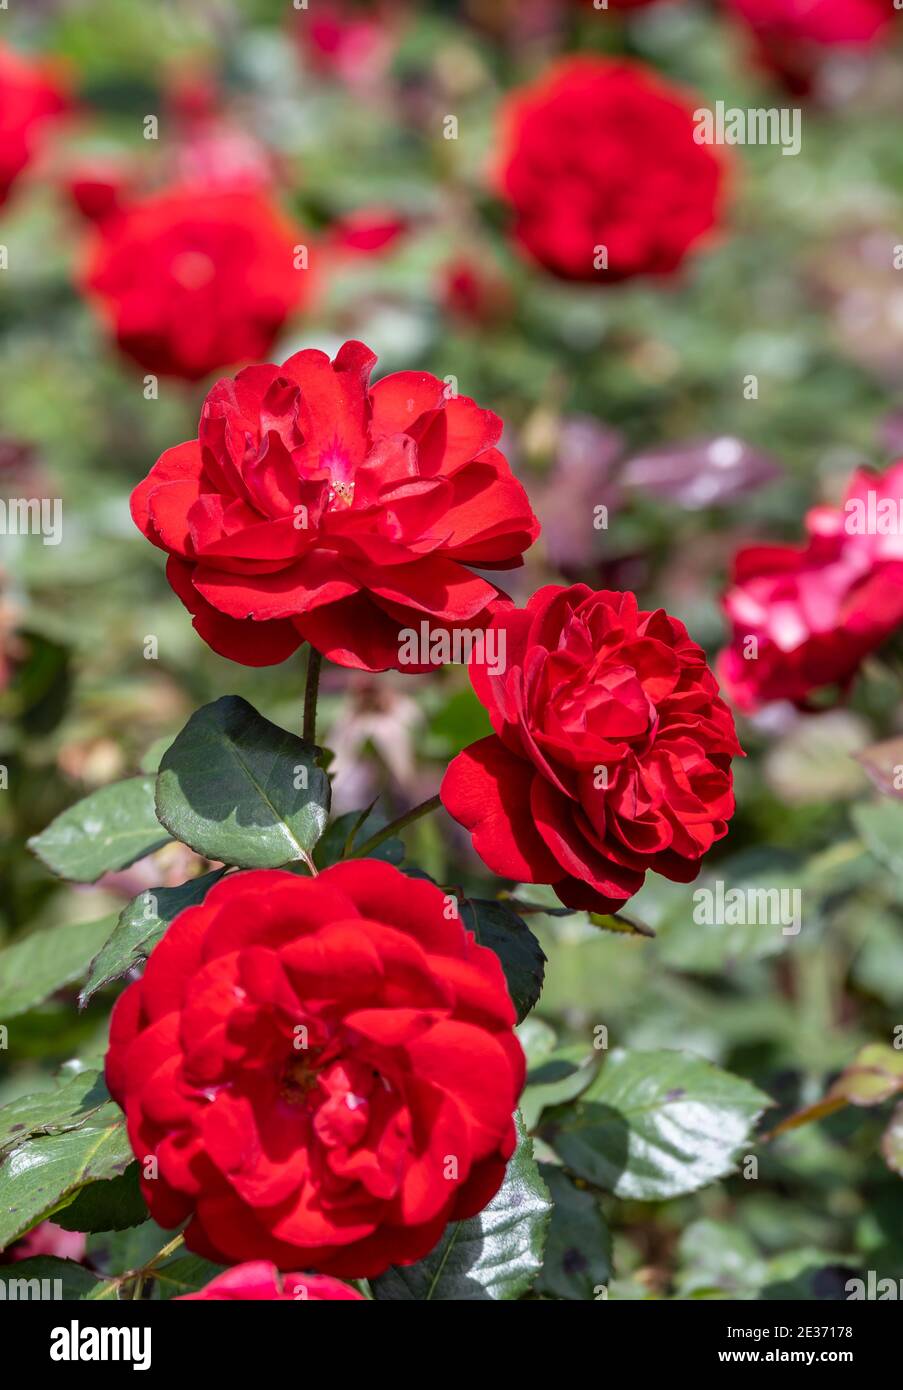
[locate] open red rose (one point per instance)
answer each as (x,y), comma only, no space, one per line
(324,1070)
(805,617)
(315,506)
(793,37)
(601,154)
(611,753)
(30,98)
(260,1281)
(195,278)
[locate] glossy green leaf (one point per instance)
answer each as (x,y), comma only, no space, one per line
(139,927)
(43,1174)
(496,925)
(107,830)
(239,789)
(577,1258)
(114,1205)
(656,1124)
(67,1105)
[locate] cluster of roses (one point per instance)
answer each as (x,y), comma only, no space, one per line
(610,757)
(598,164)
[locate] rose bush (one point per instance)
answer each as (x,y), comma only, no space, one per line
(611,753)
(195,278)
(325,1072)
(600,154)
(315,506)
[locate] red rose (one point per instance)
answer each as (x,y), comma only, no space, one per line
(814,612)
(353,41)
(261,1281)
(194,278)
(316,507)
(30,97)
(368,231)
(611,753)
(793,37)
(601,154)
(47,1239)
(325,1070)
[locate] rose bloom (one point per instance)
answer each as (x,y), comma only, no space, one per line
(260,1281)
(815,611)
(314,506)
(30,98)
(793,37)
(611,753)
(47,1239)
(195,278)
(324,1069)
(600,154)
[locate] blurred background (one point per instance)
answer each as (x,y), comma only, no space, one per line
(629,396)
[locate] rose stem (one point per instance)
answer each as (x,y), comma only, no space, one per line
(431,804)
(314,662)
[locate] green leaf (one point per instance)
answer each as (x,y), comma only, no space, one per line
(620,922)
(498,926)
(65,1279)
(656,1124)
(495,1255)
(140,926)
(880,823)
(114,1205)
(107,830)
(184,1274)
(718,1260)
(44,1174)
(232,786)
(557,1079)
(352,826)
(66,1106)
(577,1257)
(48,960)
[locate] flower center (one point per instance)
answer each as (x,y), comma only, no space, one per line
(193,269)
(299,1077)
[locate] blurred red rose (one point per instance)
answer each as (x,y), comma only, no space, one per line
(805,617)
(98,188)
(193,278)
(314,506)
(47,1239)
(31,96)
(474,292)
(368,230)
(324,1069)
(793,37)
(600,156)
(611,753)
(351,40)
(261,1281)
